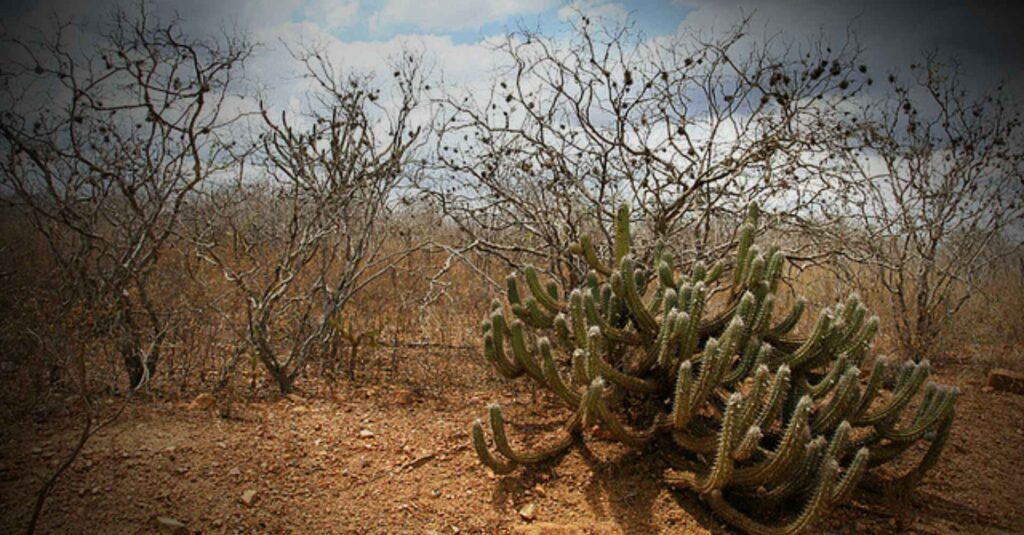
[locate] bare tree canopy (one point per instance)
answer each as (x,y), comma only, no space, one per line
(104,146)
(686,130)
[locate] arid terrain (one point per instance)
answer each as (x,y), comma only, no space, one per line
(381,457)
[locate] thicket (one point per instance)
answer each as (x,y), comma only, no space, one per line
(155,212)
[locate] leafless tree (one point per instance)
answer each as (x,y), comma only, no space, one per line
(104,138)
(940,196)
(687,129)
(305,232)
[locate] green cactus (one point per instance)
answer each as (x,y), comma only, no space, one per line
(770,429)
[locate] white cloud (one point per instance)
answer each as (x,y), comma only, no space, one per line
(332,14)
(599,9)
(453,15)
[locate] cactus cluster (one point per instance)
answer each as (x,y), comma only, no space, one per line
(769,428)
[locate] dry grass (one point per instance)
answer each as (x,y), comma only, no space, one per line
(205,346)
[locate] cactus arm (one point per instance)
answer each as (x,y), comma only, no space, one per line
(535,316)
(712,362)
(756,272)
(764,315)
(789,450)
(747,445)
(788,323)
(841,405)
(698,271)
(633,439)
(691,337)
(480,445)
(554,379)
(716,358)
(931,457)
(754,354)
(718,476)
(862,338)
(664,347)
(812,457)
(534,456)
(495,350)
(523,354)
(840,441)
(513,291)
(563,330)
(810,347)
(940,409)
(681,397)
(799,483)
(666,276)
(746,240)
(580,367)
(870,390)
(776,398)
(830,380)
(602,368)
(612,333)
(715,272)
(577,318)
(622,237)
(773,271)
(901,397)
(753,399)
(644,320)
(540,293)
(717,323)
(819,501)
(854,474)
(590,256)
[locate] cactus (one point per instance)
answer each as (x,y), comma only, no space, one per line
(768,428)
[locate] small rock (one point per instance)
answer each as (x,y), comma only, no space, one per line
(170,526)
(402,397)
(300,409)
(295,398)
(987,389)
(202,402)
(528,512)
(365,433)
(234,472)
(249,497)
(1006,381)
(539,490)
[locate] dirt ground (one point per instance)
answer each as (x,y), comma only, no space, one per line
(363,460)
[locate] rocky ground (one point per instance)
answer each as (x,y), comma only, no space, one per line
(395,457)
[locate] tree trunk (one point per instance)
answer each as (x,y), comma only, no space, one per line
(139,370)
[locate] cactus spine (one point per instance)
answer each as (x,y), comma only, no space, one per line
(761,418)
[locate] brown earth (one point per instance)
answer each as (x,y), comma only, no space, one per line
(368,460)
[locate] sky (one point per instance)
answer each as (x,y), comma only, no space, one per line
(455,34)
(982,35)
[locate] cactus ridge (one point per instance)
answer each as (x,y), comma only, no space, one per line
(758,418)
